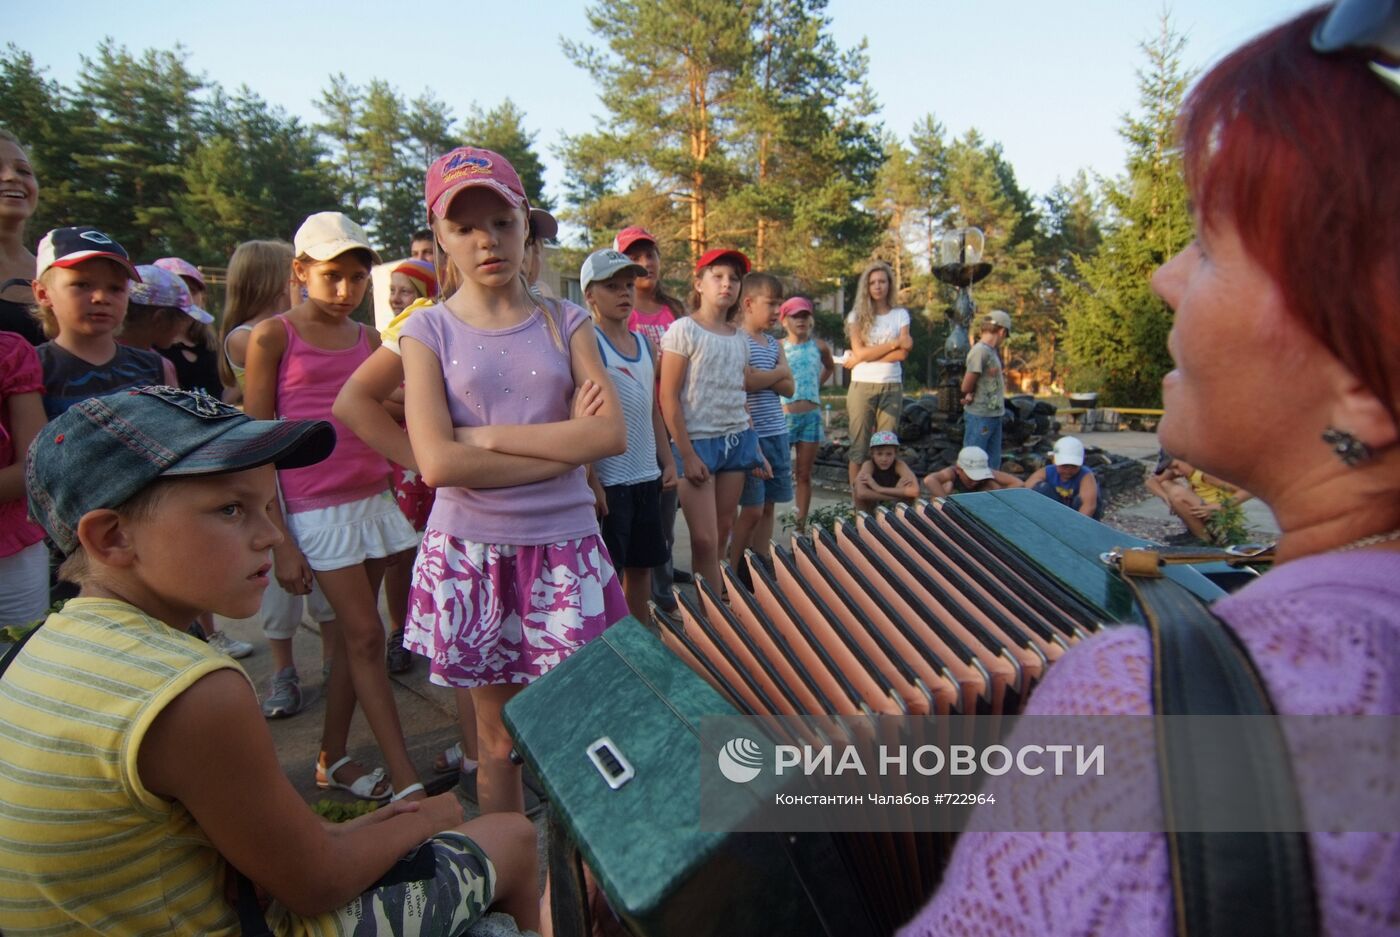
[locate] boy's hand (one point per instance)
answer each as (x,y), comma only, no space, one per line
(293,572)
(763,469)
(694,469)
(588,400)
(1204,511)
(443,811)
(668,476)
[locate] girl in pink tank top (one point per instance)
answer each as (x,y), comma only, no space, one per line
(342,521)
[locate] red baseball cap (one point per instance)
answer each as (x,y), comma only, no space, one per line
(793,306)
(629,236)
(465,167)
(721,253)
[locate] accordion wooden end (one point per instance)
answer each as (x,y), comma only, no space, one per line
(959,606)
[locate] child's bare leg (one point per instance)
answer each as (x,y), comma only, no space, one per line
(509,840)
(852,470)
(698,505)
(398,576)
(636,587)
(340,708)
(762,538)
(352,592)
(802,476)
(498,783)
(750,516)
(1181,500)
(728,487)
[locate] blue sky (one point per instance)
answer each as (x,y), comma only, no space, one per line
(1049,81)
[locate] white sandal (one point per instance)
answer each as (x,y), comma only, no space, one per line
(414,788)
(453,759)
(362,787)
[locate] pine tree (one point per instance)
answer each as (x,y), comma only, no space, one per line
(37,113)
(502,129)
(256,174)
(142,126)
(1115,327)
(670,74)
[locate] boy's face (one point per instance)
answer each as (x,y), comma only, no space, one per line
(337,285)
(88,299)
(223,519)
(761,311)
(422,250)
(883,456)
(615,296)
(799,326)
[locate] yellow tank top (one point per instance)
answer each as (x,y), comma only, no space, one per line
(1210,494)
(84,846)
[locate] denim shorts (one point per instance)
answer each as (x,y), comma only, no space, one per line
(805,427)
(778,451)
(737,452)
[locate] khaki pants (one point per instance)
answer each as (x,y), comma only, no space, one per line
(871,408)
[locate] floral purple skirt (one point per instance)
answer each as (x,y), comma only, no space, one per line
(486,614)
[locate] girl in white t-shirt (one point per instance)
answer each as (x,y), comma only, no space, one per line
(880,340)
(703,359)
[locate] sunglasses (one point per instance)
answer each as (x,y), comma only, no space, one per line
(1367,25)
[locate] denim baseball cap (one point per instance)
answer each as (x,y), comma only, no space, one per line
(103,451)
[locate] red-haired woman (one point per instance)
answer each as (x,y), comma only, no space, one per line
(1286,343)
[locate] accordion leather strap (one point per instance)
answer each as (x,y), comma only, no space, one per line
(1239,884)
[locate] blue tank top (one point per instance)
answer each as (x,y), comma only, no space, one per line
(805,360)
(1067,489)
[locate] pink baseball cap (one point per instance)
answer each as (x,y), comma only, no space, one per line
(181,268)
(632,235)
(793,306)
(469,166)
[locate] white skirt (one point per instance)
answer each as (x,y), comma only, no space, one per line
(348,534)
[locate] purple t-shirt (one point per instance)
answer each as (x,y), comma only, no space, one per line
(508,376)
(1324,632)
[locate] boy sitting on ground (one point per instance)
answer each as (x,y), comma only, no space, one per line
(140,778)
(970,473)
(884,476)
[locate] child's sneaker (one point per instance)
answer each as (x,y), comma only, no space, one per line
(285,698)
(398,658)
(221,641)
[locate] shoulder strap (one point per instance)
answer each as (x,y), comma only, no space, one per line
(1237,884)
(14,649)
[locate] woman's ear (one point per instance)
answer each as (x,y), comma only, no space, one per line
(1359,412)
(105,538)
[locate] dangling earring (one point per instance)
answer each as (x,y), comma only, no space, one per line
(1347,447)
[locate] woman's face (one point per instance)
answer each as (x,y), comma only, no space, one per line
(1248,380)
(878,284)
(19,189)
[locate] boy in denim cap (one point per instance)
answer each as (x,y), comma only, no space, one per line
(170,786)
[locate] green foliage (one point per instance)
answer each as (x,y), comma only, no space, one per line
(1228,525)
(502,129)
(1114,323)
(339,811)
(826,517)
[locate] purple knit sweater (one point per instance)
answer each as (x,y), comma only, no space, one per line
(1324,632)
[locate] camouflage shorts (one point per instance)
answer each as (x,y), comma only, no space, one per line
(440,888)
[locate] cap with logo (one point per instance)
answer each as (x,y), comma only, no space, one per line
(722,253)
(181,268)
(606,264)
(158,286)
(634,234)
(973,462)
(883,438)
(1069,451)
(137,436)
(469,167)
(68,247)
(328,234)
